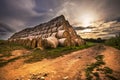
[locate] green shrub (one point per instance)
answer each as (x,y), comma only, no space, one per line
(5,51)
(37,54)
(99,66)
(49,53)
(114,42)
(107,70)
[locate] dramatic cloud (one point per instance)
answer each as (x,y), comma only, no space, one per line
(101,29)
(5,30)
(20,14)
(17,13)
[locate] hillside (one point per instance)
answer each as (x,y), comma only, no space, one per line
(67,67)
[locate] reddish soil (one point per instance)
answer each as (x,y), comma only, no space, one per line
(67,67)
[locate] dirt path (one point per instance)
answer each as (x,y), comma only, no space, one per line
(67,67)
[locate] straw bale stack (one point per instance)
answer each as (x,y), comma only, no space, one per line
(64,42)
(34,43)
(62,34)
(48,35)
(73,43)
(61,27)
(51,42)
(54,29)
(79,41)
(29,43)
(54,34)
(40,43)
(50,30)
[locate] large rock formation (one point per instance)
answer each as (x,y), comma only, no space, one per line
(57,32)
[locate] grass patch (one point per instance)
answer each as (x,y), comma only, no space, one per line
(38,55)
(3,63)
(114,42)
(93,70)
(5,51)
(6,48)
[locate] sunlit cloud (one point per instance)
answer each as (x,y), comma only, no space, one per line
(101,29)
(84,13)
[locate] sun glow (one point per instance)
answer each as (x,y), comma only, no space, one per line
(86,31)
(87,19)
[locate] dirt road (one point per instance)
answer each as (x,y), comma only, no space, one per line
(67,67)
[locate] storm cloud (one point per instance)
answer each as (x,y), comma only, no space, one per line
(5,30)
(20,14)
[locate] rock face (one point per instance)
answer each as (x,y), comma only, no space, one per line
(57,32)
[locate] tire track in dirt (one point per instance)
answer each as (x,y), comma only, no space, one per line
(65,67)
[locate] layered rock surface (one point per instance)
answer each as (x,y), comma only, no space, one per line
(56,32)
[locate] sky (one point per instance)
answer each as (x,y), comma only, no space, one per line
(90,18)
